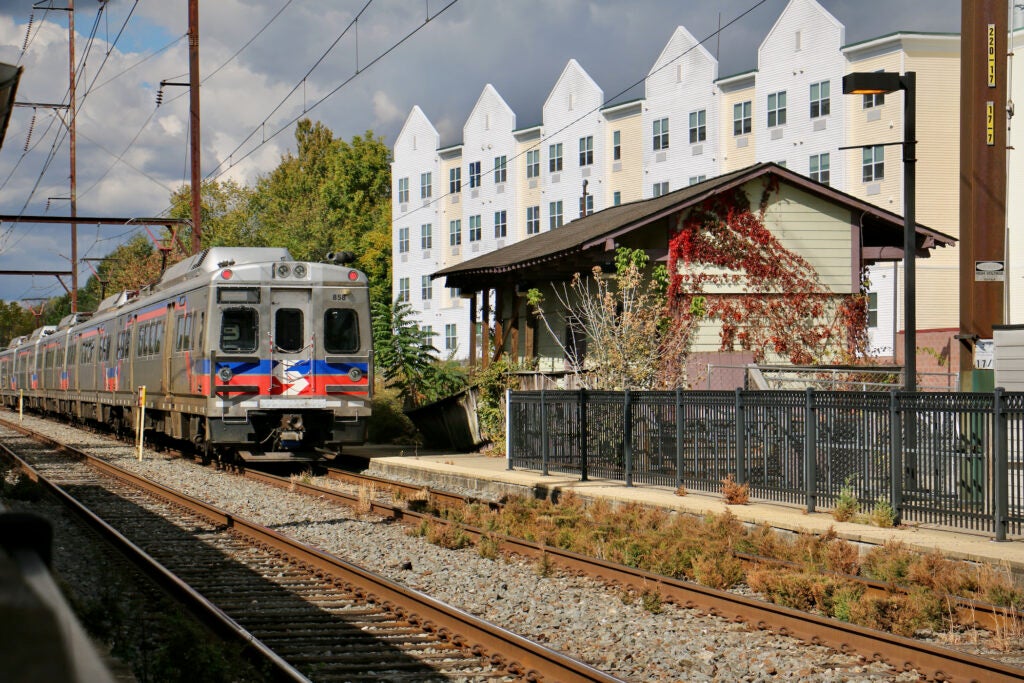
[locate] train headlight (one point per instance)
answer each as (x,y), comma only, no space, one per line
(283,270)
(225,375)
(355,374)
(300,270)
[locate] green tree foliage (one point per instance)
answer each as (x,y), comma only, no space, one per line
(331,195)
(406,358)
(14,321)
(225,214)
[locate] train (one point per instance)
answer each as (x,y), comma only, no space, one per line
(243,352)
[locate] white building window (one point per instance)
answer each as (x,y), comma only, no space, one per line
(777,109)
(820,101)
(659,189)
(455,232)
(741,117)
(403,240)
(451,337)
(475,231)
(555,215)
(426,288)
(694,179)
(474,174)
(500,224)
(872,309)
(587,150)
(500,169)
(426,186)
(555,158)
(426,236)
(533,163)
(616,145)
(403,190)
(660,135)
(616,198)
(873,166)
(698,126)
(455,180)
(819,168)
(403,289)
(532,220)
(586,205)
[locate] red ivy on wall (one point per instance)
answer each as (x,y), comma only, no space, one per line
(725,265)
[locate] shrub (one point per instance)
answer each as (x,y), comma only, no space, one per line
(889,562)
(847,504)
(883,514)
(717,570)
(735,494)
(388,424)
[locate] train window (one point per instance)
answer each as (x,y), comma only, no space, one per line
(158,336)
(288,330)
(187,343)
(238,330)
(179,332)
(104,348)
(341,330)
(236,295)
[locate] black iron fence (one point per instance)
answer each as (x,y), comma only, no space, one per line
(953,459)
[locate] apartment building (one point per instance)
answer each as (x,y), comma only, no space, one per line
(691,125)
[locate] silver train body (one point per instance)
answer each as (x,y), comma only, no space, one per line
(242,351)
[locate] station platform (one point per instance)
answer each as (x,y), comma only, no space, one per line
(482,472)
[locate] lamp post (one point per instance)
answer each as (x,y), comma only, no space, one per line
(880,82)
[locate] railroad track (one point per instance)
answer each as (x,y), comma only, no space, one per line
(307,615)
(936,662)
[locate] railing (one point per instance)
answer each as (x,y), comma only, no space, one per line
(952,459)
(853,378)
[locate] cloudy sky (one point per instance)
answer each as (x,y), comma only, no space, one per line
(267,63)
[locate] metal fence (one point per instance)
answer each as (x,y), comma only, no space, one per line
(952,459)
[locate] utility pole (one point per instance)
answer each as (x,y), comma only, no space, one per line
(71,142)
(193,78)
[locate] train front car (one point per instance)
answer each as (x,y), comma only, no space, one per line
(290,359)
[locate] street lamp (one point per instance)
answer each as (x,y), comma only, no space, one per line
(876,83)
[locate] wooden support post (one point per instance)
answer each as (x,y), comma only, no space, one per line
(485,336)
(472,330)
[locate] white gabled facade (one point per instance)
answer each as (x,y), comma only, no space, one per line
(798,59)
(680,117)
(573,150)
(415,188)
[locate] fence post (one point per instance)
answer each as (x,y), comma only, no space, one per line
(1000,465)
(741,442)
(583,434)
(627,435)
(508,428)
(679,438)
(810,450)
(545,448)
(895,457)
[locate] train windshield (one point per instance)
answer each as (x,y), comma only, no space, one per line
(341,330)
(238,330)
(288,330)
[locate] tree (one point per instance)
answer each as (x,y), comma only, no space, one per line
(727,266)
(14,322)
(226,215)
(406,358)
(630,342)
(331,196)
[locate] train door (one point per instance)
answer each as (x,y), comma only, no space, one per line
(167,355)
(291,331)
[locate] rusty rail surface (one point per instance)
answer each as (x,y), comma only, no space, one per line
(519,656)
(936,662)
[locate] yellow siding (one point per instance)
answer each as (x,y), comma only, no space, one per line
(525,195)
(938,160)
(733,156)
(628,179)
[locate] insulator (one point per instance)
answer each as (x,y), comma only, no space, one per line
(159,97)
(28,31)
(31,127)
